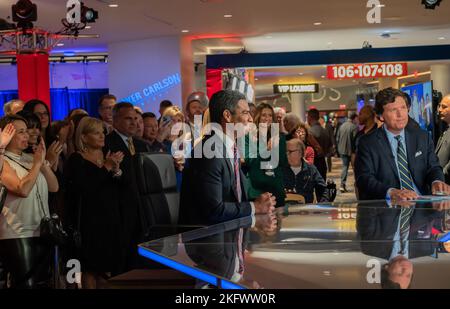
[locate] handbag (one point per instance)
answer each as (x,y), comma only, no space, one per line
(3,194)
(51,228)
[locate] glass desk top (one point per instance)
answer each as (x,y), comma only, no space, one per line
(341,245)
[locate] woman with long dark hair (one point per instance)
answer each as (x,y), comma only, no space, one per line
(271,179)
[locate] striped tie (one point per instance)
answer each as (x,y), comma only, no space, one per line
(403,167)
(405,216)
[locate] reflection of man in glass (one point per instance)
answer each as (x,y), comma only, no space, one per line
(397,274)
(397,235)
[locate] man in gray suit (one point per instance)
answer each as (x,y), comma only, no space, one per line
(443,145)
(345,139)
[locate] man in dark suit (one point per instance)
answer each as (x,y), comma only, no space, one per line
(212,188)
(121,139)
(443,145)
(345,139)
(396,161)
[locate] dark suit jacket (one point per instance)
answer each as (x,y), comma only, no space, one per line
(377,227)
(208,193)
(376,171)
(131,219)
(443,153)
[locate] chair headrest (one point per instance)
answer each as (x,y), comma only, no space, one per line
(155,172)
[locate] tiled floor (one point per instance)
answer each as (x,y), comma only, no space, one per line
(336,176)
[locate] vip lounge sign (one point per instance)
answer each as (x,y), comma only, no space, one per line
(296,88)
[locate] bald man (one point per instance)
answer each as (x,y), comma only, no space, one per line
(443,145)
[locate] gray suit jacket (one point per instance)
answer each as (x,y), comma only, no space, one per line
(443,153)
(345,137)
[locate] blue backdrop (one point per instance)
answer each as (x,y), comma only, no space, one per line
(63,100)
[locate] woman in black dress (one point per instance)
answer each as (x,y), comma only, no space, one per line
(93,182)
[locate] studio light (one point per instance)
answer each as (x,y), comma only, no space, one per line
(24,13)
(88,15)
(431,4)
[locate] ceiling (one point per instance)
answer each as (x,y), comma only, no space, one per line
(257,25)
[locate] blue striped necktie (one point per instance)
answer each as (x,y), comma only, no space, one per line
(403,166)
(405,183)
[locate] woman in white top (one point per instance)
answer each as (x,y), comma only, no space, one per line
(28,179)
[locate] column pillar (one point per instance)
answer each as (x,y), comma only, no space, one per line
(440,75)
(298,105)
(33,77)
(388,82)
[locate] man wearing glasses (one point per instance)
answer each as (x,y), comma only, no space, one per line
(302,178)
(105,108)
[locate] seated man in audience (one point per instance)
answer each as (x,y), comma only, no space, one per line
(151,132)
(397,161)
(302,178)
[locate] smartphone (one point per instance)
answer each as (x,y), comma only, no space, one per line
(166,120)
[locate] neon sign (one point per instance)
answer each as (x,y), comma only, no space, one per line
(152,91)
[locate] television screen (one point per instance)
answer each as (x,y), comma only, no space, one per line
(421,104)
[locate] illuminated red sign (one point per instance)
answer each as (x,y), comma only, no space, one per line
(373,70)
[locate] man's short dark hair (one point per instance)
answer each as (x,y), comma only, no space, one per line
(314,114)
(165,103)
(352,115)
(221,101)
(121,105)
(106,97)
(148,115)
(387,96)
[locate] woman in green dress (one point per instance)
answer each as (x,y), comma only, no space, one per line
(268,178)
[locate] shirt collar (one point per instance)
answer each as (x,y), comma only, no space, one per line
(391,136)
(124,137)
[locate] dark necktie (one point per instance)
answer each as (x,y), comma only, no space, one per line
(405,216)
(238,188)
(403,166)
(237,174)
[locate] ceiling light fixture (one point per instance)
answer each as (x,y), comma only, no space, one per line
(185,31)
(441,38)
(113,5)
(60,44)
(317,23)
(227,15)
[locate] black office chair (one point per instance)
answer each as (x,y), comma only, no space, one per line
(157,184)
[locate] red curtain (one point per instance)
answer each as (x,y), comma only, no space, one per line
(33,77)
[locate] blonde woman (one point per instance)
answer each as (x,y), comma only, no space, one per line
(28,179)
(93,182)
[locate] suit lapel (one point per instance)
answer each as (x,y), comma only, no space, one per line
(123,147)
(411,148)
(444,137)
(385,147)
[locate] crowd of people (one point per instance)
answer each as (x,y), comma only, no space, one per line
(81,168)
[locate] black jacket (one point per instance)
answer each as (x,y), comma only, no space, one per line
(376,171)
(208,194)
(131,218)
(305,182)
